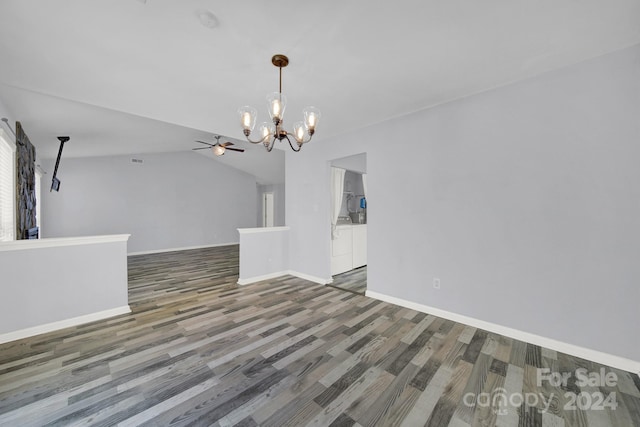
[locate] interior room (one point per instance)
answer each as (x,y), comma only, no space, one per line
(349,223)
(441,228)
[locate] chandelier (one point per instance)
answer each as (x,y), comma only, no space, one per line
(276,102)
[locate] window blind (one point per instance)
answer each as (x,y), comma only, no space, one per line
(7,188)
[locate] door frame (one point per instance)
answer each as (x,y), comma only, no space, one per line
(268,212)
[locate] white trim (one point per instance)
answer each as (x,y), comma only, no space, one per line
(285,273)
(264,208)
(61,241)
(310,278)
(262,229)
(61,324)
(38,190)
(6,140)
(585,353)
(255,279)
(185,248)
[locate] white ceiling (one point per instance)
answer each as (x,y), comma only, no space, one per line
(135,76)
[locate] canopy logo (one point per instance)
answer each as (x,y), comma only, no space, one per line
(501,400)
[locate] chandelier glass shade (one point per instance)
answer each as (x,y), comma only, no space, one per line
(269,133)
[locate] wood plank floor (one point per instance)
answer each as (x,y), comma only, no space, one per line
(352,281)
(199,350)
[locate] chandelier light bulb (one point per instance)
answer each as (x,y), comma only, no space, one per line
(276,102)
(299,132)
(247,118)
(311,118)
(275,107)
(266,130)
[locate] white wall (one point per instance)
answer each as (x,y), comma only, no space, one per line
(264,253)
(54,283)
(523,200)
(171,200)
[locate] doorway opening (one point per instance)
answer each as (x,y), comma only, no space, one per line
(349,223)
(267,209)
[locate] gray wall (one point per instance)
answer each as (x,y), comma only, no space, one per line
(523,200)
(171,200)
(278,202)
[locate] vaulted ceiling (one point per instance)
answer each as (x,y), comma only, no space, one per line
(136,76)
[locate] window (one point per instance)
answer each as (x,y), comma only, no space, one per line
(7,188)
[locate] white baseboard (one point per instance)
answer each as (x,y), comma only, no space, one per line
(261,278)
(61,324)
(284,273)
(574,350)
(185,248)
(310,278)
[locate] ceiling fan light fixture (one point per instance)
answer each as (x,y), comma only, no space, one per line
(276,103)
(218,149)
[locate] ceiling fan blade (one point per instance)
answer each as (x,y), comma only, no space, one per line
(202,148)
(236,149)
(226,144)
(202,142)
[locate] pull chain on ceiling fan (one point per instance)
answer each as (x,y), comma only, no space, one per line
(217,148)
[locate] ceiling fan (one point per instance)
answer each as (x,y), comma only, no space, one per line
(217,148)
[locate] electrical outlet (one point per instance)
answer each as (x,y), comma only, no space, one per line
(436,283)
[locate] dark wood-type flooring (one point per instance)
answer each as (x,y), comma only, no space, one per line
(199,350)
